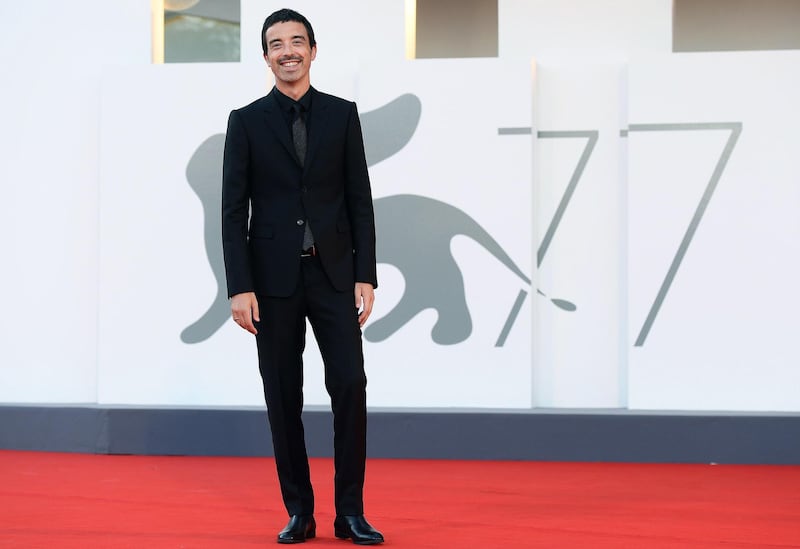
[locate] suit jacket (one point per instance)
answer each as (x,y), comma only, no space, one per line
(267,196)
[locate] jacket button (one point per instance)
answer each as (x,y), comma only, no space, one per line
(300,221)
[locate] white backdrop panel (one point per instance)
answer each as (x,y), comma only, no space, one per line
(460,188)
(579,355)
(51,54)
(723,337)
(627,28)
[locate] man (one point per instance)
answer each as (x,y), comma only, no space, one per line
(294,167)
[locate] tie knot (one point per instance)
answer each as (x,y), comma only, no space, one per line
(297,110)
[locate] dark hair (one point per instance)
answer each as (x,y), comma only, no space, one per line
(283,16)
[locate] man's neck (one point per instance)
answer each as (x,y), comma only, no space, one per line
(295,90)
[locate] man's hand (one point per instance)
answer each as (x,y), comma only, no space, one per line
(245,309)
(365,297)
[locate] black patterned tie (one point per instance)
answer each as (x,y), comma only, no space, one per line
(299,133)
(300,138)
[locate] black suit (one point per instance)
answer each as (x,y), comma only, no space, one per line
(267,197)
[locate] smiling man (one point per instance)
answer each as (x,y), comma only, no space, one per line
(298,235)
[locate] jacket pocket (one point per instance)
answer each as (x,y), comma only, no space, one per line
(262,232)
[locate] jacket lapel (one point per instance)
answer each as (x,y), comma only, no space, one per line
(318,124)
(277,124)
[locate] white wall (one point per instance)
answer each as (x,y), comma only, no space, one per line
(611,28)
(101,279)
(53,58)
(724,337)
(580,356)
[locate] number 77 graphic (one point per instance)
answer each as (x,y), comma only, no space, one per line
(735,129)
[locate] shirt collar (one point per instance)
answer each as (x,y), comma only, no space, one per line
(287,102)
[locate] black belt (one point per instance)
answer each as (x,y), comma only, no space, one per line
(309,252)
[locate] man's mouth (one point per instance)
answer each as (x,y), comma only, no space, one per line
(290,62)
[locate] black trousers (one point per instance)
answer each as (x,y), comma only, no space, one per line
(281,341)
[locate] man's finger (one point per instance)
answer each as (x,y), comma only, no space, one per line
(367,310)
(252,313)
(244,308)
(247,324)
(365,297)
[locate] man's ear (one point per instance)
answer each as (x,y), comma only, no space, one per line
(314,52)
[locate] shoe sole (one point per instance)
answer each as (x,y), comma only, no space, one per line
(343,535)
(311,535)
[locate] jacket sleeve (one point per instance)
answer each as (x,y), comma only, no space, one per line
(236,207)
(358,196)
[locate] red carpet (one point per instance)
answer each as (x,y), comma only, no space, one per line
(73,500)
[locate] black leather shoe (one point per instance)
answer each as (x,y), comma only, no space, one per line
(299,529)
(356,528)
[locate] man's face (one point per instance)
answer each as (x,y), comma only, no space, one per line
(289,55)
